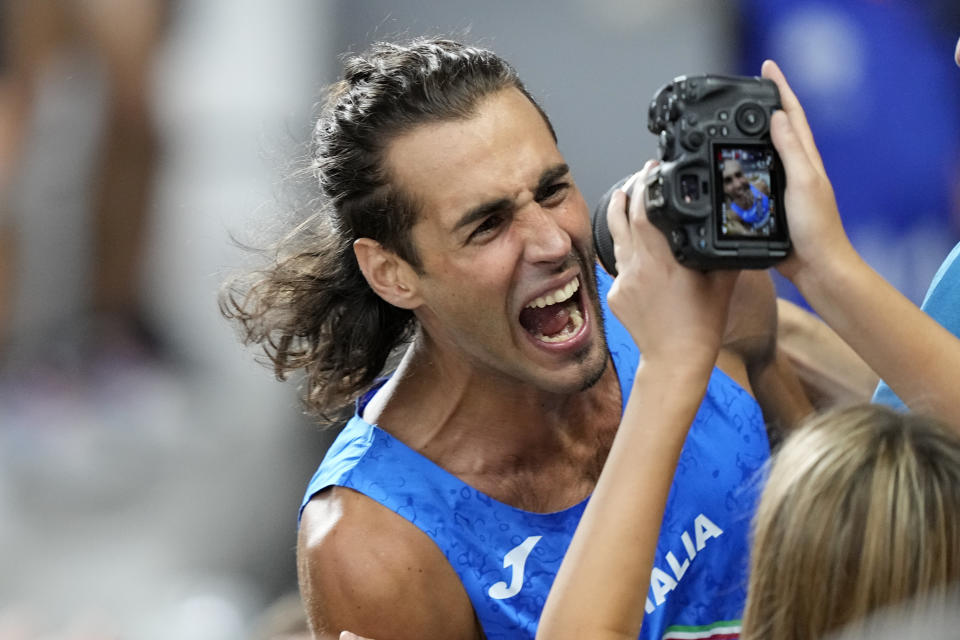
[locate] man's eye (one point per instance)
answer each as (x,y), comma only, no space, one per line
(489,224)
(554,192)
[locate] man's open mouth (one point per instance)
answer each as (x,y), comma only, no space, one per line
(556,316)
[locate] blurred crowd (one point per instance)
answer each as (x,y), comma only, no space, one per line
(150,470)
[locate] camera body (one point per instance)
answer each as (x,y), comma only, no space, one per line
(717,193)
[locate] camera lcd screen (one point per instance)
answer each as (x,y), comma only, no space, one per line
(748,192)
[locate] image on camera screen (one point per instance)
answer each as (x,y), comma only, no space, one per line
(749,206)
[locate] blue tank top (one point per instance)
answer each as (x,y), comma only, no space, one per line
(507,558)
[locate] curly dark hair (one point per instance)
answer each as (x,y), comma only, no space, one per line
(311,309)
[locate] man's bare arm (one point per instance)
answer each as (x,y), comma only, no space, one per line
(365,569)
(751,336)
(829,368)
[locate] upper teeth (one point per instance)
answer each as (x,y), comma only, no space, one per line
(561,294)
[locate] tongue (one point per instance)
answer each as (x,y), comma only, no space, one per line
(545,321)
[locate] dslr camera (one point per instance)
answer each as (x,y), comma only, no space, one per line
(717,193)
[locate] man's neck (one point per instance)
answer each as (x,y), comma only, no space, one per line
(488,430)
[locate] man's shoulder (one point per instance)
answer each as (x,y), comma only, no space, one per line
(364,568)
(341,528)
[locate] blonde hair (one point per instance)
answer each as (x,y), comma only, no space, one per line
(861,511)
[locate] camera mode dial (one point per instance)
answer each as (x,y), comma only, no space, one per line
(751,119)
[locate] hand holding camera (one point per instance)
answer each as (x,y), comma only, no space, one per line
(676,315)
(820,245)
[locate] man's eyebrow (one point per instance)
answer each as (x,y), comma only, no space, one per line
(551,174)
(506,204)
(481,211)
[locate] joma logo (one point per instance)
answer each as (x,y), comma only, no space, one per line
(517,559)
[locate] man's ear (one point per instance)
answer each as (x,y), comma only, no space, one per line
(390,276)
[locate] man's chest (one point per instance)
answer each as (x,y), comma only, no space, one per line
(563,474)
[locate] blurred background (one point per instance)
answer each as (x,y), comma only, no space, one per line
(150,469)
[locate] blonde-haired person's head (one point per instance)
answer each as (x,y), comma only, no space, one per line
(861,511)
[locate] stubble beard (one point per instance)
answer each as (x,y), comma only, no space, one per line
(592,297)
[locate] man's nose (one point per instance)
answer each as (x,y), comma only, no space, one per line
(545,239)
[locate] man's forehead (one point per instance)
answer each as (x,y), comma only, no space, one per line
(500,151)
(731,166)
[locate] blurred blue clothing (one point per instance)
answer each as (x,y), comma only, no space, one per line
(942,303)
(756,215)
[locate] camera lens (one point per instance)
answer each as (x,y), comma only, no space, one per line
(751,119)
